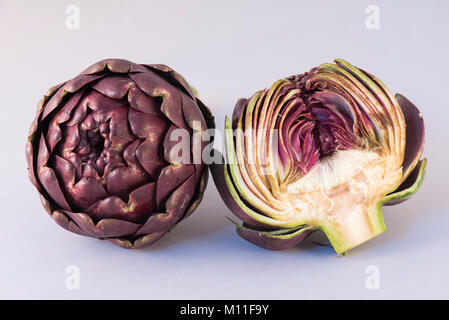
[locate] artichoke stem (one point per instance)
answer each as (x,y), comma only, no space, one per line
(361,226)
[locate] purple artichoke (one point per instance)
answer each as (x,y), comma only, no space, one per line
(101,152)
(324,150)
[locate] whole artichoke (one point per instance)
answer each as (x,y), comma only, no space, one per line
(102,155)
(321,150)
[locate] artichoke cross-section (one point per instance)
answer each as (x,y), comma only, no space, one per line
(323,150)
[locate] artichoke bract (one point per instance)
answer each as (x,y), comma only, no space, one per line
(102,155)
(324,150)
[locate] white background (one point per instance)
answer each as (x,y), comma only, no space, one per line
(226,50)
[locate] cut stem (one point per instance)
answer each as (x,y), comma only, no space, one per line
(361,226)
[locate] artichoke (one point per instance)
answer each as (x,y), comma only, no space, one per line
(324,150)
(102,155)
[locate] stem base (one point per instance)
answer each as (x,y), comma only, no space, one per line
(358,228)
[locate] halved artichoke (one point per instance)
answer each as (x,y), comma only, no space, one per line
(321,150)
